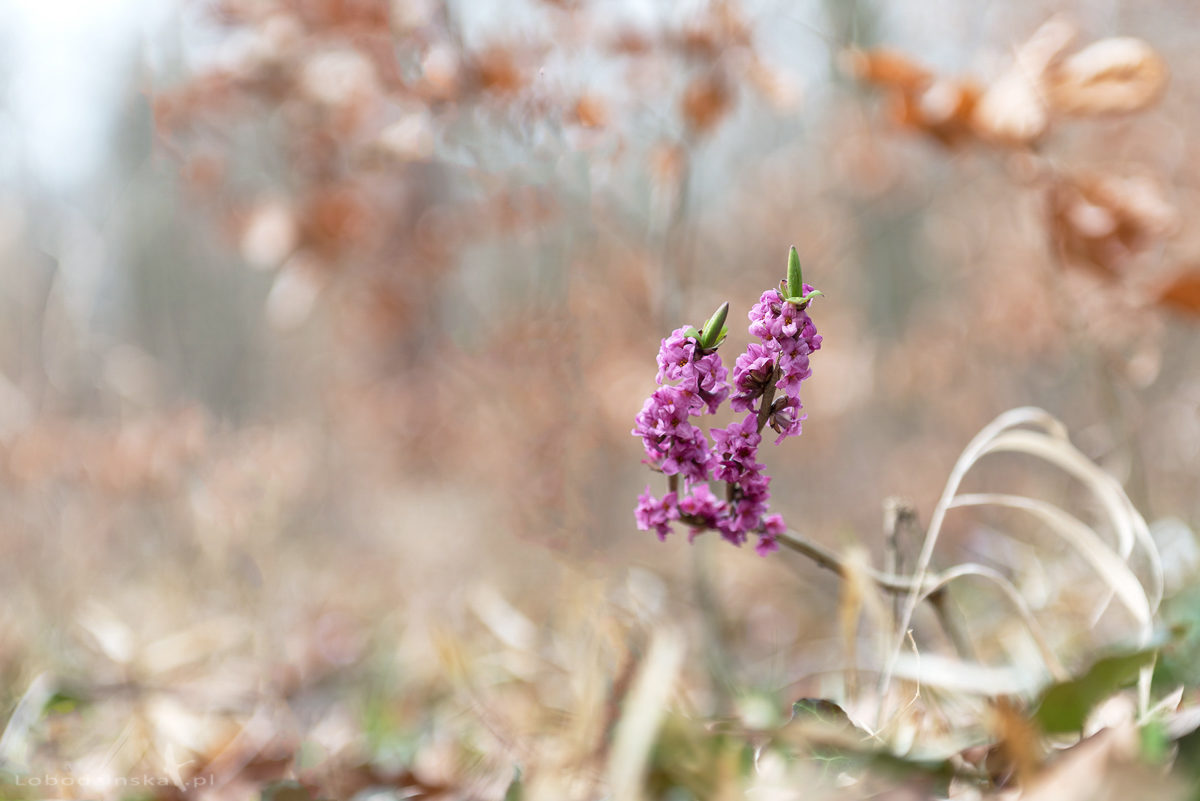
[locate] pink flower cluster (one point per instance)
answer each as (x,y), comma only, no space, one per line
(788,339)
(677,447)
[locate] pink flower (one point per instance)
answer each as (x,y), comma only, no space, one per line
(772,527)
(737,449)
(694,382)
(752,374)
(786,418)
(652,513)
(788,337)
(674,445)
(703,510)
(675,355)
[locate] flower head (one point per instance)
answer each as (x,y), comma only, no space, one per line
(788,337)
(675,356)
(766,386)
(737,449)
(753,372)
(702,509)
(674,445)
(786,418)
(772,527)
(652,513)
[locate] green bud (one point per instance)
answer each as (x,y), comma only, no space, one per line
(715,329)
(795,278)
(803,301)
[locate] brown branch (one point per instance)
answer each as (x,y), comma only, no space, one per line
(768,398)
(831,561)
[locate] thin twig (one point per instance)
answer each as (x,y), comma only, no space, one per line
(768,398)
(897,514)
(931,582)
(831,561)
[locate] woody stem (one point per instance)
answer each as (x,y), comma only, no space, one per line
(768,399)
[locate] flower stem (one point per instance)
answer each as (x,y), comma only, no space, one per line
(831,561)
(768,399)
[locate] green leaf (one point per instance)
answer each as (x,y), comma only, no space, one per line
(714,328)
(64,701)
(822,710)
(795,278)
(1187,759)
(1064,707)
(802,302)
(515,790)
(1155,745)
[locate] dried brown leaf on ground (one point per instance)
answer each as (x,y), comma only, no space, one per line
(1111,76)
(1013,110)
(1181,292)
(1017,108)
(706,101)
(917,99)
(1101,221)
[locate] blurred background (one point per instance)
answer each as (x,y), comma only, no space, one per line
(325,323)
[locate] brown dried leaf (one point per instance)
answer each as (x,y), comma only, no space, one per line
(1102,221)
(944,110)
(1111,76)
(1013,109)
(334,218)
(1182,292)
(938,107)
(630,42)
(706,101)
(723,27)
(1018,751)
(497,71)
(888,69)
(591,112)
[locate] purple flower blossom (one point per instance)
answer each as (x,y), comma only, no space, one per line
(694,382)
(788,339)
(772,527)
(703,510)
(738,465)
(652,513)
(675,446)
(700,374)
(793,368)
(752,494)
(675,355)
(712,380)
(737,449)
(752,374)
(783,327)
